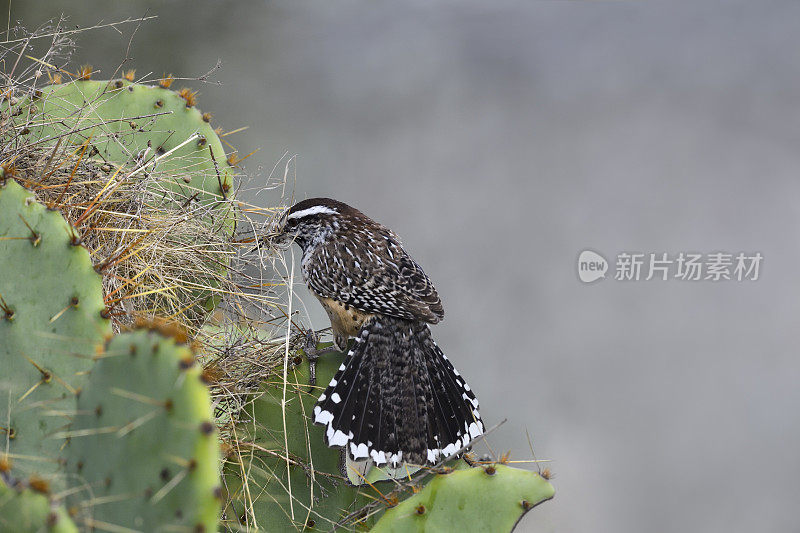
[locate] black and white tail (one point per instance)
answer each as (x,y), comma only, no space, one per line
(396,398)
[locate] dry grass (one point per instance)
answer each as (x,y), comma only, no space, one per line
(160,254)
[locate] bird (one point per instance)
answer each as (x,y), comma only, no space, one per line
(396,399)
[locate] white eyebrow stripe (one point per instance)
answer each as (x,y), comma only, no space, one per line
(316,210)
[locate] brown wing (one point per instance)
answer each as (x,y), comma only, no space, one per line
(371,271)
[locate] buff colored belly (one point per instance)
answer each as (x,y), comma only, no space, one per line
(345,320)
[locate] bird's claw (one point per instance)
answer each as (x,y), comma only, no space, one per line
(312,354)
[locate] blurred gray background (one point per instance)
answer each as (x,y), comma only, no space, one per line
(500,139)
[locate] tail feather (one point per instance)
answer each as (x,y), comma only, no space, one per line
(343,396)
(396,398)
(455,405)
(454,392)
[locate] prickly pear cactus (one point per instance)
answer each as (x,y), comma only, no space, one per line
(258,486)
(144,445)
(151,134)
(484,498)
(138,125)
(51,307)
(23,510)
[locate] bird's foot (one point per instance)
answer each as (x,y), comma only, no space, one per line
(312,354)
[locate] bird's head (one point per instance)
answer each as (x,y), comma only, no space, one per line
(311,219)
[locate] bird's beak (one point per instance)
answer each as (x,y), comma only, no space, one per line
(279,235)
(275,237)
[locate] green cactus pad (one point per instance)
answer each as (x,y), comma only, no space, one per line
(144,451)
(130,123)
(50,325)
(263,500)
(153,132)
(24,511)
(487,498)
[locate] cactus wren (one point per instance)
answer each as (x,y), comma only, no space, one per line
(396,397)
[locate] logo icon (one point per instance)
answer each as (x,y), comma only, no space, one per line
(591,266)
